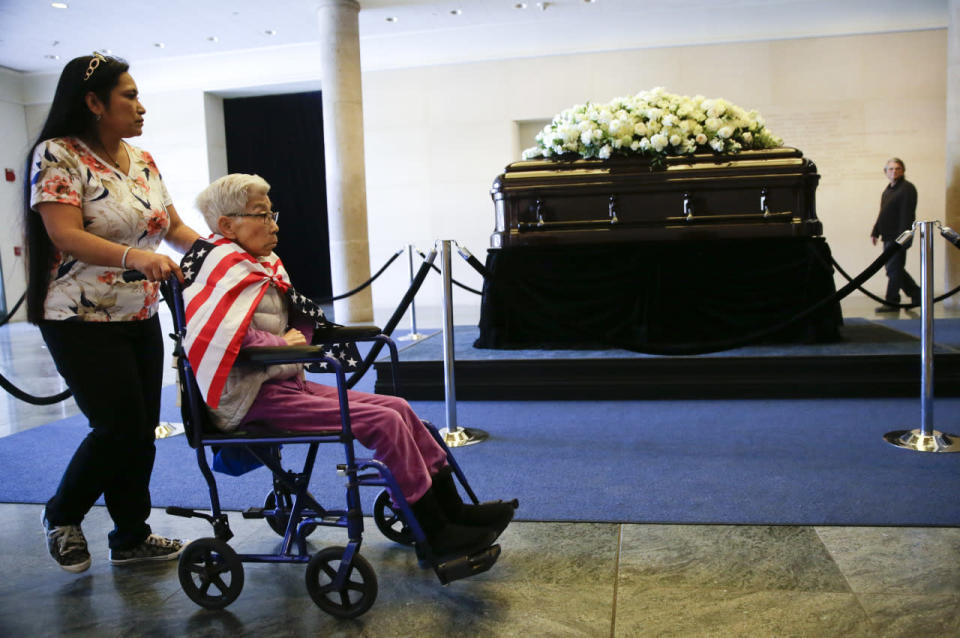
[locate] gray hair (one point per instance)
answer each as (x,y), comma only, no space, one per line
(898,161)
(229,195)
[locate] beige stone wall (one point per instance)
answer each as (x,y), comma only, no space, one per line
(436,137)
(13,152)
(952,172)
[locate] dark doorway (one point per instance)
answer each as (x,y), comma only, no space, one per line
(280,138)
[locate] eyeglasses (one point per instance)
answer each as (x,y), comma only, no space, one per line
(273,215)
(94,63)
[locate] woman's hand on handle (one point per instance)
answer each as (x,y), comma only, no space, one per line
(64,225)
(154,266)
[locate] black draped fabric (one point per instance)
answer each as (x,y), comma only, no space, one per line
(280,138)
(631,294)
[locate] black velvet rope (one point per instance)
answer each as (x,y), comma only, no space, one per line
(738,342)
(364,284)
(8,385)
(394,318)
(905,306)
(16,307)
(29,398)
(455,282)
(473,261)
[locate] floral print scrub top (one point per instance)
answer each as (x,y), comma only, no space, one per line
(129,209)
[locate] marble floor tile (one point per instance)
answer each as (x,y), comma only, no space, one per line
(565,596)
(408,605)
(557,553)
(552,579)
(745,558)
(666,612)
(896,560)
(907,615)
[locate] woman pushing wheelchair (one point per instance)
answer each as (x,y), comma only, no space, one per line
(238,295)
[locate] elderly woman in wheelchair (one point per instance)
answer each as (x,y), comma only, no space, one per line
(237,295)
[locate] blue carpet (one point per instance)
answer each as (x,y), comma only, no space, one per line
(808,462)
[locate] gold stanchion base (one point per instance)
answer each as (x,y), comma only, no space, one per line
(463,436)
(918,441)
(166,429)
(412,336)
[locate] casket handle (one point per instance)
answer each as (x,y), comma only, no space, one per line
(687,207)
(539,212)
(764,208)
(612,208)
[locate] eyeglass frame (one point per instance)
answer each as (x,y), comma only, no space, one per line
(273,215)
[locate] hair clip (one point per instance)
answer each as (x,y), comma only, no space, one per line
(94,63)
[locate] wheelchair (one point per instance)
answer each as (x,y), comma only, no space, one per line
(339,580)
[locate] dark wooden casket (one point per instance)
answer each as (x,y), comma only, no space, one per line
(620,253)
(768,193)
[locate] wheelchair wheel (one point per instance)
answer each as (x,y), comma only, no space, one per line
(358,593)
(389,521)
(211,573)
(278,523)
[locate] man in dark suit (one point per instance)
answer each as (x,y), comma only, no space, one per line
(898,208)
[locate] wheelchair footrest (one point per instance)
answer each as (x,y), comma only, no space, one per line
(186,512)
(465,566)
(253,512)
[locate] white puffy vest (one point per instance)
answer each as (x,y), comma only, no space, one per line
(243,382)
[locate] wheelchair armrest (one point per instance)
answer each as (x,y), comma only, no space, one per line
(270,355)
(340,334)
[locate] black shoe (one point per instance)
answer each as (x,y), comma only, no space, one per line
(887,309)
(66,545)
(495,515)
(153,547)
(446,538)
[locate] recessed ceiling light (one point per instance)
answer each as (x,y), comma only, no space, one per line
(520,5)
(212,38)
(456,12)
(52,57)
(59,5)
(270,32)
(159,45)
(589,1)
(391,18)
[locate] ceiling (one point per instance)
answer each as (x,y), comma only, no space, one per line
(35,37)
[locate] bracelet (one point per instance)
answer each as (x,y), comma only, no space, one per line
(123,260)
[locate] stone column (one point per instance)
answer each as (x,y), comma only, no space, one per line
(952,212)
(343,144)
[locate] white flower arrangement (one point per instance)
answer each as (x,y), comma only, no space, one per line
(655,124)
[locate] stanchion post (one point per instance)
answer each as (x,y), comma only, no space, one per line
(925,439)
(453,435)
(414,335)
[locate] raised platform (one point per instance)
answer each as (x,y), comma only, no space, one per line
(874,358)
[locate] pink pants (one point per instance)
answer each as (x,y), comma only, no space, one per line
(385,424)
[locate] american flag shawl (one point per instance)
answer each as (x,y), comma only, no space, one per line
(223,284)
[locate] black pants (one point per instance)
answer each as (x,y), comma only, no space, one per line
(115,370)
(897,276)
